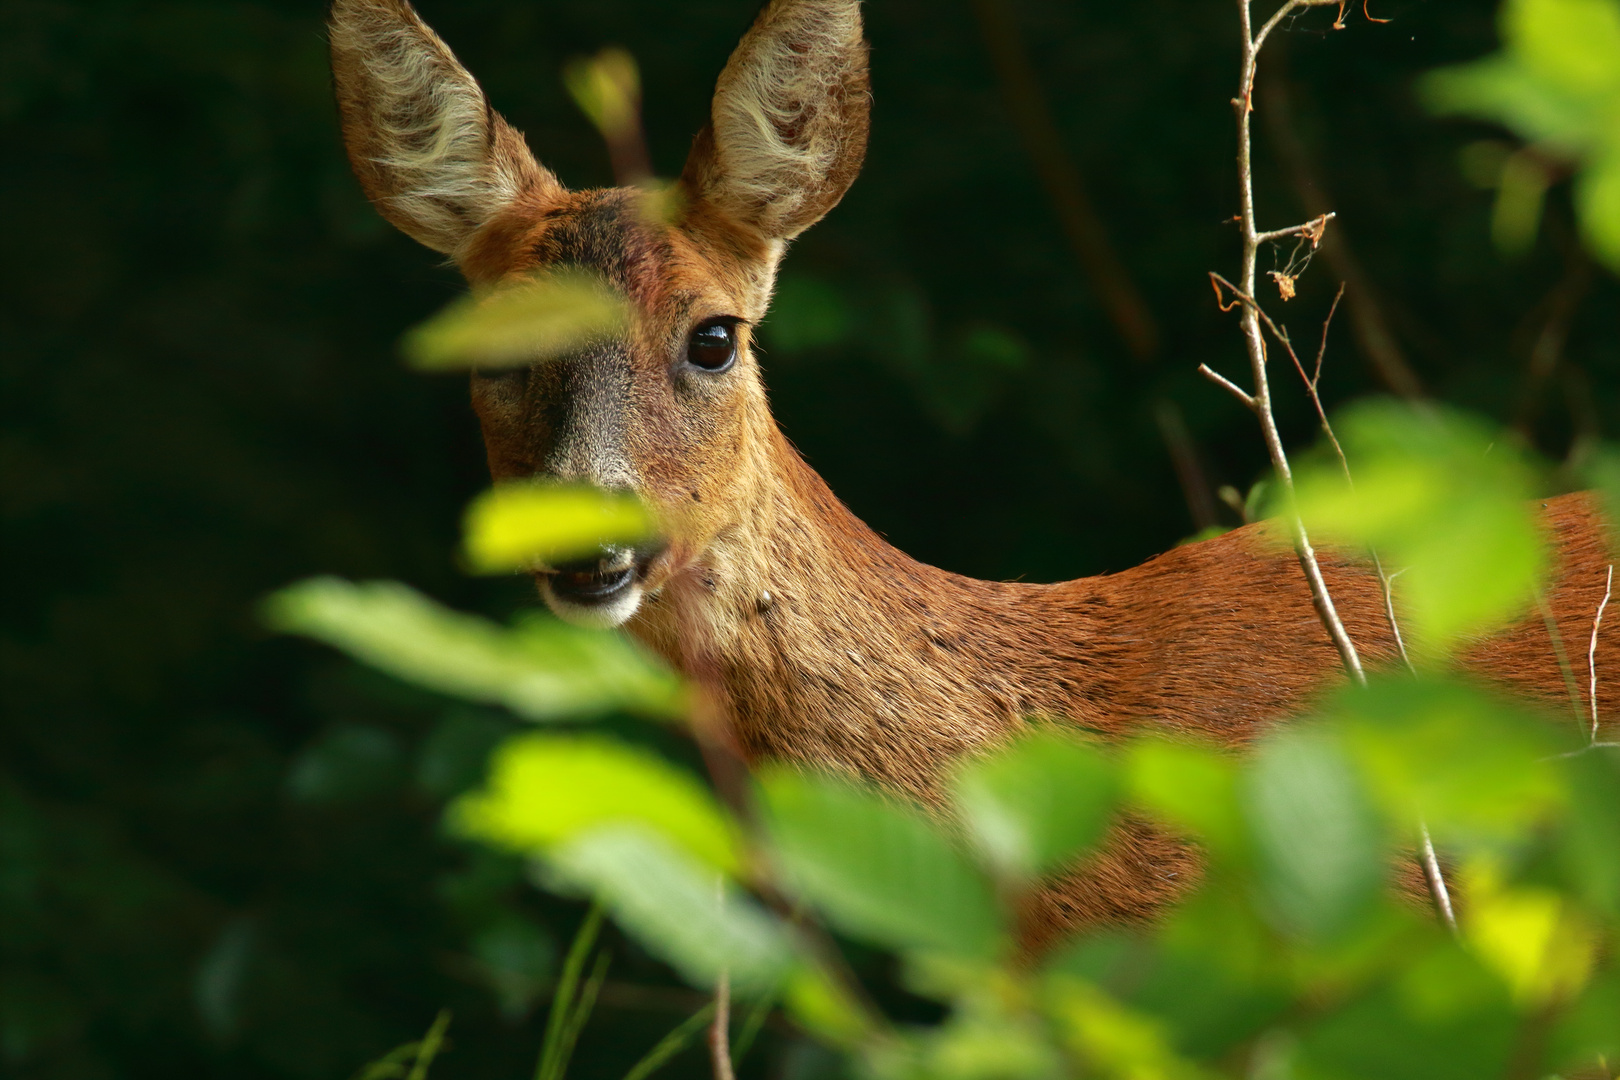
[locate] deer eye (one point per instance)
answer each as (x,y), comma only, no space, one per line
(712,345)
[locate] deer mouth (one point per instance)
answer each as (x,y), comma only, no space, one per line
(601,591)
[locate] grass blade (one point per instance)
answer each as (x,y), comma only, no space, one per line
(671,1044)
(582,1011)
(549,1068)
(430,1046)
(751,1027)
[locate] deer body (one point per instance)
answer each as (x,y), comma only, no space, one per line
(827,646)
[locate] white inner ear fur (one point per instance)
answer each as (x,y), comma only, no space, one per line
(426,125)
(778,132)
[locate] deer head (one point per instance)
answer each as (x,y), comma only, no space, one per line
(673,408)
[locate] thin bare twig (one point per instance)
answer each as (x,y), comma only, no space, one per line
(1255,340)
(720,1031)
(1591,649)
(1222,381)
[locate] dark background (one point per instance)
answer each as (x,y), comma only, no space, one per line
(219,851)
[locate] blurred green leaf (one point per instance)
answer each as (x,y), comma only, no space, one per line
(1531,936)
(349,762)
(1445,503)
(678,908)
(541,319)
(607,88)
(514,526)
(808,313)
(880,871)
(1036,804)
(1321,857)
(1585,1031)
(1468,762)
(1113,1040)
(1557,83)
(1192,788)
(542,668)
(544,790)
(517,959)
(1589,842)
(1464,1033)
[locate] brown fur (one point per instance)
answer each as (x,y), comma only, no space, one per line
(828,647)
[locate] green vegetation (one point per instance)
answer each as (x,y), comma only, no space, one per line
(230,853)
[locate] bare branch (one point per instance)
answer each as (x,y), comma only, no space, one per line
(1312,230)
(1222,381)
(1591,649)
(720,1031)
(1437,881)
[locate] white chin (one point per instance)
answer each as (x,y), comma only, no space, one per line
(609,613)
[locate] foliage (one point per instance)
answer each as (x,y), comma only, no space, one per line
(1297,956)
(223,856)
(1556,82)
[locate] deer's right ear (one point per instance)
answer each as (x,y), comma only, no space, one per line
(431,154)
(787,130)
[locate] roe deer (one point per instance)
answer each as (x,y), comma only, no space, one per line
(826,645)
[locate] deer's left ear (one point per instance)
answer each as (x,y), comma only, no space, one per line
(787,129)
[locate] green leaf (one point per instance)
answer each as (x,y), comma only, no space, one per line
(1467,762)
(1036,804)
(542,669)
(879,870)
(1445,503)
(515,326)
(678,908)
(1320,850)
(514,526)
(1589,843)
(1192,788)
(544,790)
(1597,198)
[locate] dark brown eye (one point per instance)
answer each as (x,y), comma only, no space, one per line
(712,345)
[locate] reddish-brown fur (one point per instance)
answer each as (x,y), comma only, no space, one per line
(827,646)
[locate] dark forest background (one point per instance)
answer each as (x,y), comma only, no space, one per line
(220,852)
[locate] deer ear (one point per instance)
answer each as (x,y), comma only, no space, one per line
(431,154)
(787,130)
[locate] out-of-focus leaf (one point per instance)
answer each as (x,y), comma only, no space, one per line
(880,871)
(1532,937)
(1468,763)
(538,320)
(1391,1035)
(544,790)
(1191,788)
(970,1046)
(1319,846)
(607,88)
(514,526)
(820,1005)
(1585,1031)
(678,908)
(808,313)
(516,958)
(1557,83)
(1589,841)
(1445,504)
(1113,1040)
(1037,804)
(542,668)
(349,762)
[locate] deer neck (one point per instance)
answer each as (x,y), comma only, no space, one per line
(825,644)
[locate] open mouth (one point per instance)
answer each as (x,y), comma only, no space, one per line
(586,584)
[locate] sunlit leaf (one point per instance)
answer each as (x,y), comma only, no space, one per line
(1320,849)
(1467,762)
(1556,83)
(1446,506)
(880,871)
(820,1005)
(514,526)
(1532,937)
(1192,788)
(542,668)
(1114,1040)
(518,325)
(1584,1031)
(607,88)
(1037,804)
(678,908)
(544,790)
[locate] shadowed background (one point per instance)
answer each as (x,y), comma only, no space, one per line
(220,853)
